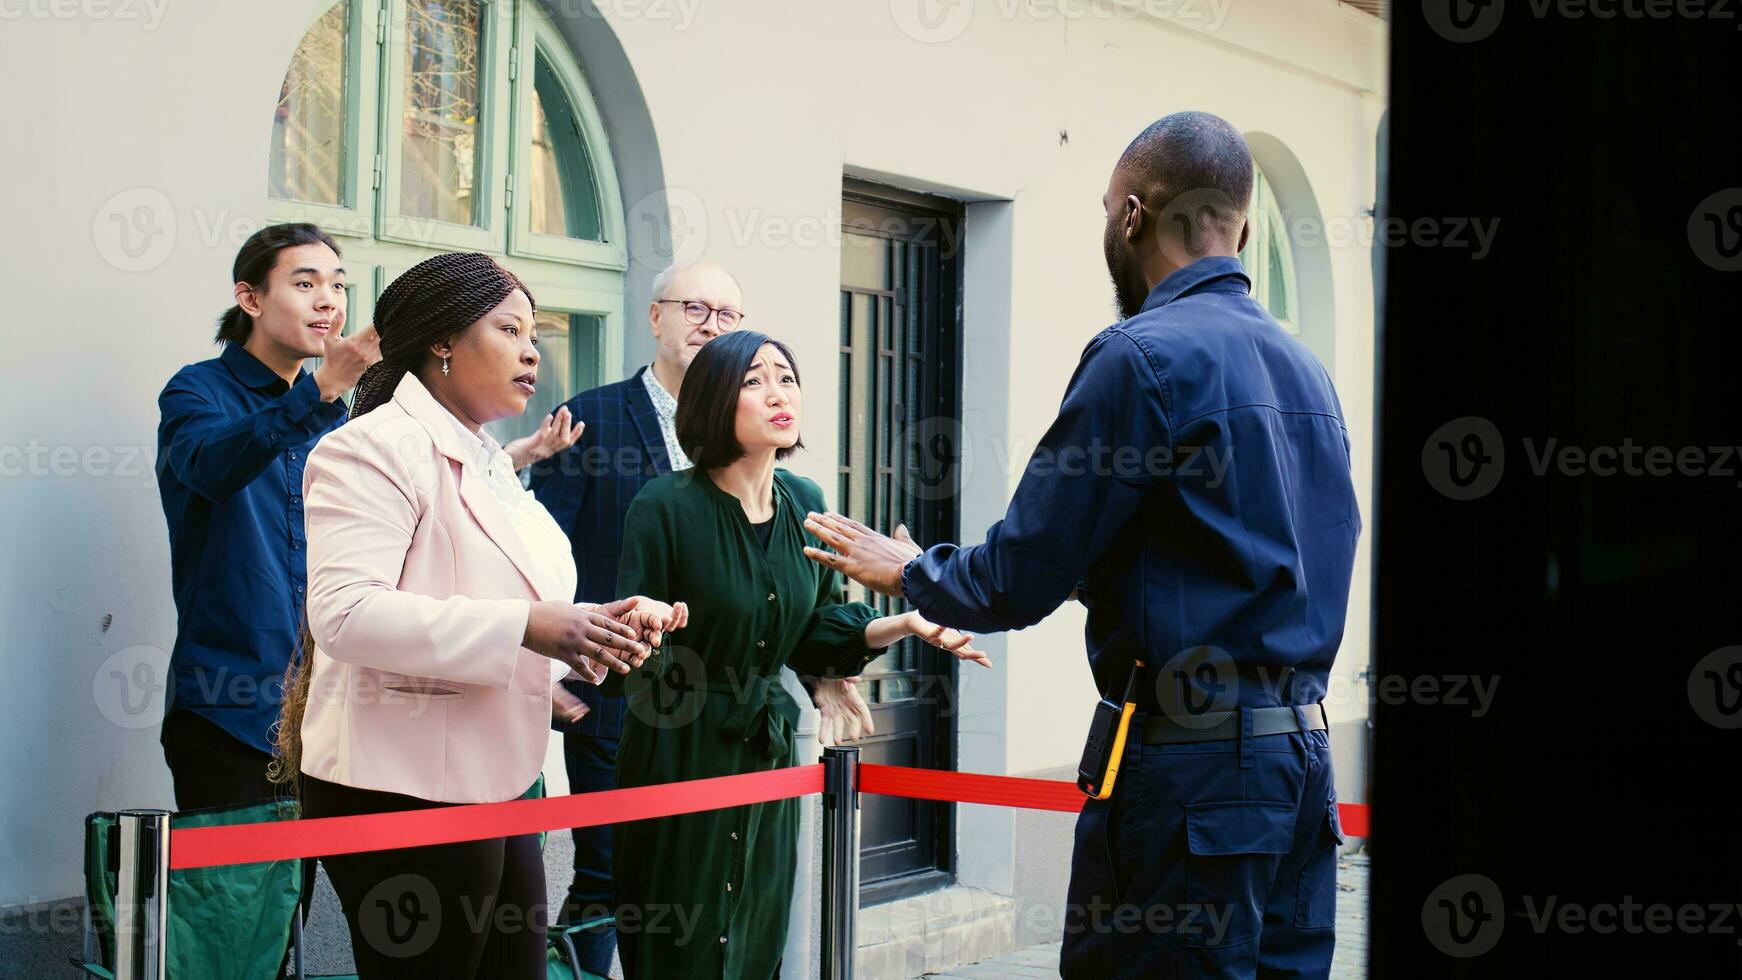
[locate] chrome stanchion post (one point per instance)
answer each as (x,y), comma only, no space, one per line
(840,860)
(142,892)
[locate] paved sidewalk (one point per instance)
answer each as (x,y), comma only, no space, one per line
(1350,962)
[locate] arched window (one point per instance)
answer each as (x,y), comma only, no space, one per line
(412,127)
(1269,258)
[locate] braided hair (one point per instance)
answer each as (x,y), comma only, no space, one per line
(433,300)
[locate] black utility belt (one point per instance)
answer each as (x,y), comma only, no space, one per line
(1110,730)
(1218,726)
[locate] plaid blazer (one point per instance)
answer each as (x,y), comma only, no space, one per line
(587,488)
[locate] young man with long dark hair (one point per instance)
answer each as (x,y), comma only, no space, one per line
(234,434)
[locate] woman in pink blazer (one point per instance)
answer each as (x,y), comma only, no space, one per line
(440,610)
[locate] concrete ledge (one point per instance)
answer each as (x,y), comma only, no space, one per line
(934,931)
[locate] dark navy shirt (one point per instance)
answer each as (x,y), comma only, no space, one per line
(230,450)
(1196,485)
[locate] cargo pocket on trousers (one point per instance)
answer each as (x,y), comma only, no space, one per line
(1315,901)
(1234,848)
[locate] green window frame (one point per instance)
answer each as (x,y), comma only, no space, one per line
(354,214)
(519,43)
(492,149)
(1269,258)
(541,48)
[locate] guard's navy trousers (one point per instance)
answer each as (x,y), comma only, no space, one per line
(1211,859)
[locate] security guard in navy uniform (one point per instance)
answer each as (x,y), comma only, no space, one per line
(1195,494)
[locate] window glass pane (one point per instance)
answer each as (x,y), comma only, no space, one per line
(863,258)
(1249,254)
(1277,285)
(439,154)
(564,200)
(568,363)
(308,124)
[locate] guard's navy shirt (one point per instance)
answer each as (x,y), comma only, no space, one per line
(1197,485)
(231,444)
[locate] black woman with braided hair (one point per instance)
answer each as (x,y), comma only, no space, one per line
(439,615)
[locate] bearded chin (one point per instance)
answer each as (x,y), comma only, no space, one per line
(1128,293)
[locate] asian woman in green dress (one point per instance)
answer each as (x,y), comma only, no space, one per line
(707,894)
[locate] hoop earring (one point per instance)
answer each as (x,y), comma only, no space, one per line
(444,367)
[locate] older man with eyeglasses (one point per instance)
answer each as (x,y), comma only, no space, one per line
(630,437)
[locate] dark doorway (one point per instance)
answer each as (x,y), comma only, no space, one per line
(900,410)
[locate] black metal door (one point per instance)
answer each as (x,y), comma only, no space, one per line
(900,412)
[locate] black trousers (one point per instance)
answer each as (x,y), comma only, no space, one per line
(212,768)
(470,910)
(209,768)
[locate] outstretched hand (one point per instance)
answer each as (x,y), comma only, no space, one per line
(843,715)
(949,640)
(873,560)
(556,433)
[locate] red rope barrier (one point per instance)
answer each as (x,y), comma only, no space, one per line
(1030,794)
(967,787)
(1355,818)
(201,847)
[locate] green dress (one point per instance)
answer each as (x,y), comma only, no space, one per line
(709,892)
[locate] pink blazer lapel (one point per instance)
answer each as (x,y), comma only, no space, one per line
(476,490)
(492,515)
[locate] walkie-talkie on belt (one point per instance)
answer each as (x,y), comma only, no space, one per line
(1106,744)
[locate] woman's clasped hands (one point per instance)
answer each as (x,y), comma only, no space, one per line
(594,639)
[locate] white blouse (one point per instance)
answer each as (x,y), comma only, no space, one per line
(538,531)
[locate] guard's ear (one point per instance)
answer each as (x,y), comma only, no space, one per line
(1134,217)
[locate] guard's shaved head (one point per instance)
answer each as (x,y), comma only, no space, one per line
(1178,194)
(1184,153)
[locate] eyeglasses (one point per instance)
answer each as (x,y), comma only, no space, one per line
(697,312)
